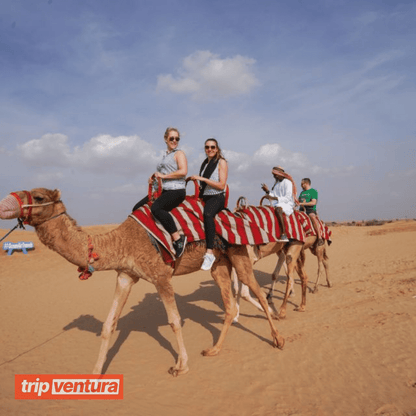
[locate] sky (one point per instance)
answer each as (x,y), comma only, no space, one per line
(325,89)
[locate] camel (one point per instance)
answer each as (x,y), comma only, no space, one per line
(242,291)
(294,261)
(322,257)
(129,251)
(291,255)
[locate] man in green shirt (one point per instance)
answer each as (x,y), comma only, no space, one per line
(308,199)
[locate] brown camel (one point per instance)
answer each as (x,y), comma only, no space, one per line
(128,250)
(290,252)
(318,251)
(322,257)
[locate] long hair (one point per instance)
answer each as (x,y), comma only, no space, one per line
(219,153)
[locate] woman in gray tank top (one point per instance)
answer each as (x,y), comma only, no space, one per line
(172,171)
(213,180)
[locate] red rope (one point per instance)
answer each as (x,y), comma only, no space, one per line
(86,272)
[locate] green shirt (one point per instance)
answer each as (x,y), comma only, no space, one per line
(307,196)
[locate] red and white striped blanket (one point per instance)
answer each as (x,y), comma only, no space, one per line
(307,225)
(265,216)
(297,226)
(233,228)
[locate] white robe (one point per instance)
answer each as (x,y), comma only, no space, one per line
(284,192)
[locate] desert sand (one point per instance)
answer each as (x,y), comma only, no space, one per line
(351,353)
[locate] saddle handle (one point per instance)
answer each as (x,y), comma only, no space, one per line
(196,184)
(156,194)
(241,203)
(263,198)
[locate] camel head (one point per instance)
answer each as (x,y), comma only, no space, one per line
(34,207)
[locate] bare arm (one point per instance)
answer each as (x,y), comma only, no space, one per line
(311,203)
(182,168)
(223,174)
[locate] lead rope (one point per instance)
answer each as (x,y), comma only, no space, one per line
(18,225)
(86,272)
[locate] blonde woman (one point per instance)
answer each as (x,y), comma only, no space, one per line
(172,171)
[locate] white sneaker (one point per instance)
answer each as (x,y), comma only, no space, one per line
(208,261)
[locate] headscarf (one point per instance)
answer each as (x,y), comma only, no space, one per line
(279,171)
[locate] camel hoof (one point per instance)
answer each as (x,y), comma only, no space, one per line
(280,343)
(300,309)
(315,290)
(282,314)
(175,372)
(275,315)
(210,352)
(329,284)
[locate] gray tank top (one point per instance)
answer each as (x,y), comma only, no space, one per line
(169,165)
(215,176)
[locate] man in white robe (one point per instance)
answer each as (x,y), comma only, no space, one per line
(281,196)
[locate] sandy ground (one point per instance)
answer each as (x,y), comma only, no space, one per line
(351,353)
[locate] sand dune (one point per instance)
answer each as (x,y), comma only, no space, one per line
(351,353)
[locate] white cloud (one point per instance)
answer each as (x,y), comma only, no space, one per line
(124,155)
(48,178)
(49,150)
(274,154)
(206,75)
(129,156)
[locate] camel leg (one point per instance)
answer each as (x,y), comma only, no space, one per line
(319,255)
(326,266)
(167,295)
(291,259)
(275,275)
(304,278)
(237,293)
(221,273)
(243,291)
(322,265)
(245,294)
(245,274)
(123,288)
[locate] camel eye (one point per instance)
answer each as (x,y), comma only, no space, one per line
(38,199)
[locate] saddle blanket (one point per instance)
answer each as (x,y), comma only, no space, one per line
(297,226)
(233,228)
(265,216)
(307,225)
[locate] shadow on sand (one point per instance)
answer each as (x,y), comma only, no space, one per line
(149,314)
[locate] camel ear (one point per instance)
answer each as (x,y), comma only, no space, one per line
(56,195)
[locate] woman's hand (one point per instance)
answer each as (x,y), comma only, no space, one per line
(197,178)
(159,175)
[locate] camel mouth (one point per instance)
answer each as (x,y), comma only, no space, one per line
(9,208)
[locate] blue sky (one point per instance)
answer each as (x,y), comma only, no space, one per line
(325,89)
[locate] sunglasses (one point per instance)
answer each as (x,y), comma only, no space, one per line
(174,139)
(210,147)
